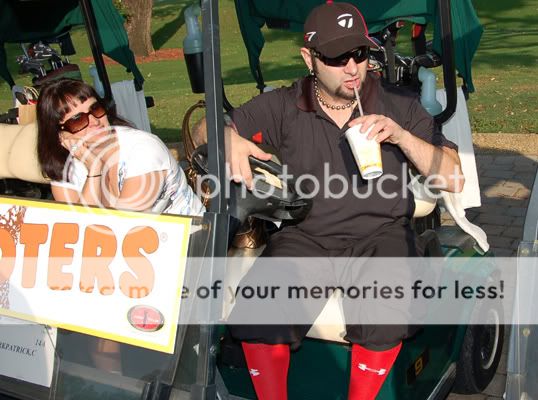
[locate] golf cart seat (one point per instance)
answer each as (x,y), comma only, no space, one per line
(18,155)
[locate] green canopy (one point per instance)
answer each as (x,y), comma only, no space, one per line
(28,21)
(466,29)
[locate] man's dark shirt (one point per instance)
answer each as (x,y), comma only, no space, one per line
(291,120)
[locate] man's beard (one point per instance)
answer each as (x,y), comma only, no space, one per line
(343,94)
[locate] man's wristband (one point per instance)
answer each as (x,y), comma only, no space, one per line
(93,176)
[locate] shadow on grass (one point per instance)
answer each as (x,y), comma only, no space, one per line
(167,135)
(506,47)
(294,38)
(166,31)
(271,70)
(487,7)
(507,39)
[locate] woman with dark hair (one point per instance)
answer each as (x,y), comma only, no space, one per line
(94,157)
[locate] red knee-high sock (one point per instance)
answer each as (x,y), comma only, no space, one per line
(369,370)
(268,367)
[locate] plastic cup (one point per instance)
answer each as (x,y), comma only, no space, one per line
(367,153)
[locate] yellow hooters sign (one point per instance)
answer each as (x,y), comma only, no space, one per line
(112,274)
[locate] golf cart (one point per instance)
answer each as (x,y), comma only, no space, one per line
(440,358)
(189,371)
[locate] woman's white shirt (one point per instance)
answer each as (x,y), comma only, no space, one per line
(141,153)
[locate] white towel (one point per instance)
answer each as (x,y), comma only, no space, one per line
(451,201)
(458,130)
(131,104)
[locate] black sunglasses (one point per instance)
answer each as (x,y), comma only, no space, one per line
(80,121)
(359,55)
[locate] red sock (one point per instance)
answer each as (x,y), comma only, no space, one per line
(369,370)
(268,367)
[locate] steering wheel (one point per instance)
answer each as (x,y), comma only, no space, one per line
(271,197)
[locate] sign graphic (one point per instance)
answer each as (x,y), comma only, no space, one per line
(84,269)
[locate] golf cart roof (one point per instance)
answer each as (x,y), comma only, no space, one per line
(291,14)
(33,20)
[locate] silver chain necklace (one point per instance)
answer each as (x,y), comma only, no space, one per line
(331,106)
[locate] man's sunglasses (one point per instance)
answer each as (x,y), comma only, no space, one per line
(358,55)
(80,121)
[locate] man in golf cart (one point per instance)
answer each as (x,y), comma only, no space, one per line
(306,123)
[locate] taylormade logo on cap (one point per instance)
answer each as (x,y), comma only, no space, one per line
(309,36)
(336,28)
(345,20)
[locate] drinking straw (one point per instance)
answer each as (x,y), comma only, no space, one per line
(358,100)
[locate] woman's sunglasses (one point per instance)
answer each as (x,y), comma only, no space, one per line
(358,55)
(80,121)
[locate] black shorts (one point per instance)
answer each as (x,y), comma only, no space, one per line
(396,240)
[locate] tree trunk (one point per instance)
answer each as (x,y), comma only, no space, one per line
(138,26)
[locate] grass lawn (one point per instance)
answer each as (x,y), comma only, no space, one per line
(506,98)
(504,68)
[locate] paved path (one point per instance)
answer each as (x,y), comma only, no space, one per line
(506,180)
(505,183)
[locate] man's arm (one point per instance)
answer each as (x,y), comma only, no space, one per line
(440,163)
(238,149)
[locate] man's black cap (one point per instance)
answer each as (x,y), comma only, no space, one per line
(336,28)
